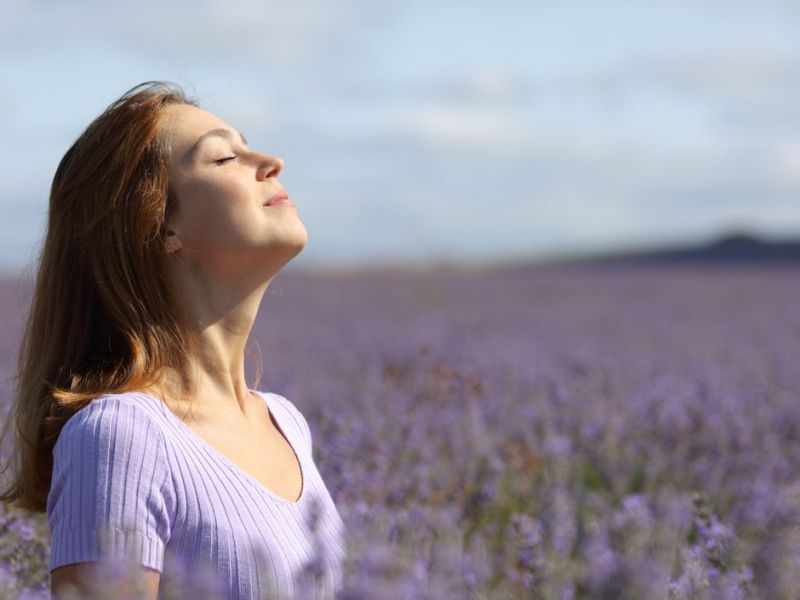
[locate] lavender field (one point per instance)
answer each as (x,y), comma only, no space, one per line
(548,433)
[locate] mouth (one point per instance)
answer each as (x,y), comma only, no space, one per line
(281,198)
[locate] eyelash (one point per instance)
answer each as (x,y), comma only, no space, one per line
(222,161)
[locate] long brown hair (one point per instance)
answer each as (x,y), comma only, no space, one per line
(102,319)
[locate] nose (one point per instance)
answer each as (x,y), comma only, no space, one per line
(269,166)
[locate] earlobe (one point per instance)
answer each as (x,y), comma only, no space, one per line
(173,243)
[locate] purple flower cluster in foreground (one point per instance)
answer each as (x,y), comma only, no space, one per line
(548,434)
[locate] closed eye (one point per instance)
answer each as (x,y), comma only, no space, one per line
(222,161)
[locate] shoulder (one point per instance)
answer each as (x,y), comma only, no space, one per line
(111,446)
(113,417)
(110,477)
(294,413)
(287,404)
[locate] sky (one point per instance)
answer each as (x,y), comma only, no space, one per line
(439,132)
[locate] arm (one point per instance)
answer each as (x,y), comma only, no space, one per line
(111,494)
(75,581)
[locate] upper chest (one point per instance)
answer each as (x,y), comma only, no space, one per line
(257,447)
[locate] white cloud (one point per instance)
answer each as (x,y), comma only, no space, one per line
(463,129)
(244,110)
(492,84)
(784,164)
(227,32)
(489,142)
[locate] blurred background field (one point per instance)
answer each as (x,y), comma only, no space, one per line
(552,432)
(545,330)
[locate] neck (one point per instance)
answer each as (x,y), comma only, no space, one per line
(220,315)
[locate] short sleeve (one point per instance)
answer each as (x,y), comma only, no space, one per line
(304,426)
(298,418)
(110,494)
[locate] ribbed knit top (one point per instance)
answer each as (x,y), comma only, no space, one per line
(130,479)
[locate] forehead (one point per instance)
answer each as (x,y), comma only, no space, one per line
(184,123)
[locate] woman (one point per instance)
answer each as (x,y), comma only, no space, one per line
(143,439)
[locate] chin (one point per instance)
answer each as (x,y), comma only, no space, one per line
(294,244)
(297,249)
(301,237)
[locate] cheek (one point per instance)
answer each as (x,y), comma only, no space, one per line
(214,208)
(207,200)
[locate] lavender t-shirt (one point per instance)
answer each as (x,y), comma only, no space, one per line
(131,479)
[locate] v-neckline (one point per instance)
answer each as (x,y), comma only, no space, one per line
(236,469)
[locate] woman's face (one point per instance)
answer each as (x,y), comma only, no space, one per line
(221,188)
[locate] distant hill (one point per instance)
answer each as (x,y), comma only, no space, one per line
(734,248)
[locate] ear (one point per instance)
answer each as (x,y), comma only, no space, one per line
(173,243)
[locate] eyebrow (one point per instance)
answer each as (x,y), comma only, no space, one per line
(221,132)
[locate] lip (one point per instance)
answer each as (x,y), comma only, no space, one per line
(281,198)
